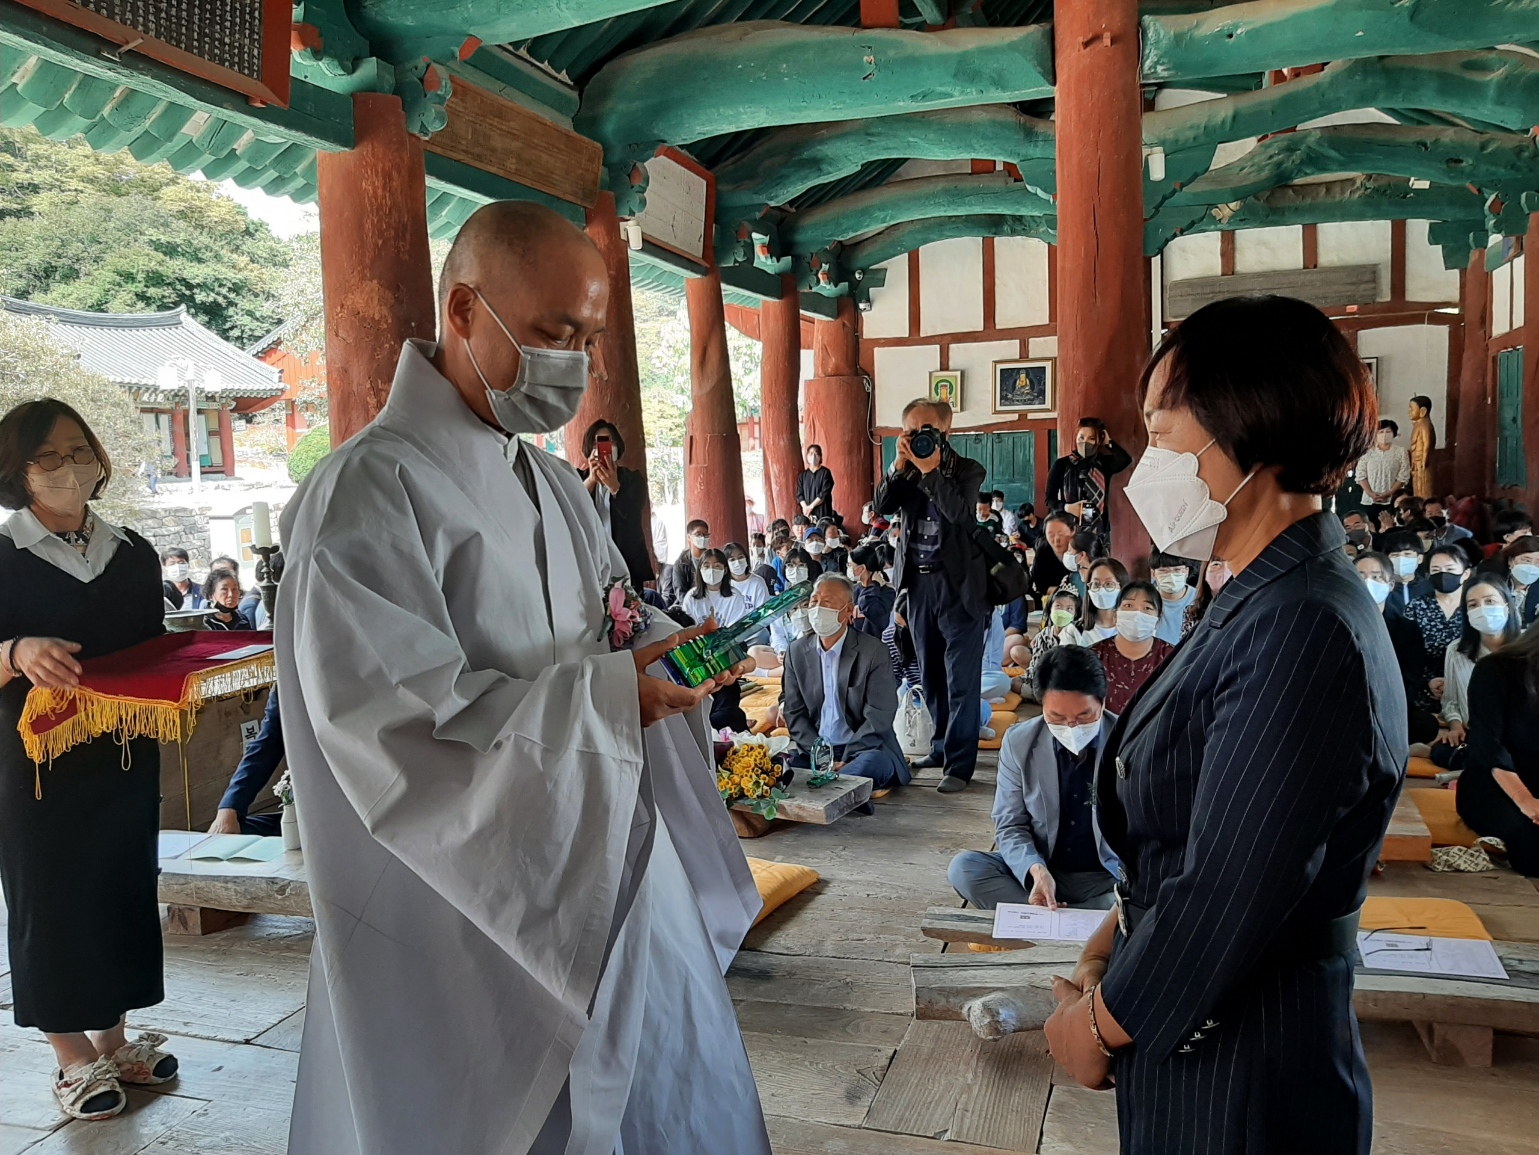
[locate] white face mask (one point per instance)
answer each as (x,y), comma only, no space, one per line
(1175,504)
(888,571)
(849,572)
(700,541)
(1136,625)
(832,542)
(1171,583)
(815,548)
(824,621)
(738,566)
(1405,564)
(1378,589)
(798,620)
(1075,738)
(1071,561)
(547,391)
(712,575)
(1525,573)
(1488,619)
(999,505)
(1104,599)
(796,574)
(177,571)
(65,491)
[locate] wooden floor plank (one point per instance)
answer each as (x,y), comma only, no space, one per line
(929,1075)
(1008,1094)
(800,1137)
(827,1082)
(1079,1121)
(145,1120)
(830,1023)
(287,1035)
(226,1129)
(854,984)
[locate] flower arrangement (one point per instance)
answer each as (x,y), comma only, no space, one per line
(749,775)
(283,789)
(625,614)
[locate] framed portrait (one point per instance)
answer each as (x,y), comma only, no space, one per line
(946,385)
(1025,386)
(1373,370)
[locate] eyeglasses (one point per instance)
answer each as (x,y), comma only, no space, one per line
(50,461)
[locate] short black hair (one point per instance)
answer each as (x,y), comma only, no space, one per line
(1400,540)
(1062,518)
(1394,430)
(811,447)
(1092,423)
(22,433)
(1275,383)
(869,556)
(697,523)
(1072,668)
(1511,519)
(215,576)
(591,436)
(1026,509)
(1354,513)
(1379,559)
(1422,401)
(999,493)
(1147,588)
(1420,525)
(801,519)
(174,551)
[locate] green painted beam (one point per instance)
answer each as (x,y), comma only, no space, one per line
(911,235)
(791,160)
(759,74)
(908,200)
(1505,162)
(1361,198)
(1493,86)
(1267,34)
(401,29)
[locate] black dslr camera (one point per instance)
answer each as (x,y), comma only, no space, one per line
(925,441)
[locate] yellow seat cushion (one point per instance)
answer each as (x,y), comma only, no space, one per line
(1439,917)
(999,723)
(1015,671)
(780,732)
(779,882)
(1422,768)
(1012,700)
(1439,812)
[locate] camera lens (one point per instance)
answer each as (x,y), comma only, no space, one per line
(922,443)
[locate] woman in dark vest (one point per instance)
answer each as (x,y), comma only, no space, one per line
(77,837)
(1247,786)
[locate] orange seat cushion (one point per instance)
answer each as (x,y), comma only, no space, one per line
(1422,768)
(1439,812)
(1438,917)
(779,882)
(999,723)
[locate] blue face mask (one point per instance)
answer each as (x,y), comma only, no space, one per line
(547,391)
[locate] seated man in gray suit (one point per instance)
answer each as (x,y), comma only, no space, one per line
(839,687)
(1051,852)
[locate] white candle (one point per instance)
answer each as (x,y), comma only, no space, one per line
(261,525)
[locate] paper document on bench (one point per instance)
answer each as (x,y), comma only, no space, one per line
(239,848)
(243,652)
(1421,954)
(1018,920)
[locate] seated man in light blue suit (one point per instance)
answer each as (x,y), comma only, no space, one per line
(1051,852)
(839,686)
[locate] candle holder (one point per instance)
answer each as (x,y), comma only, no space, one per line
(267,580)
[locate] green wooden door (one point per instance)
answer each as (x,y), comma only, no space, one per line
(1009,458)
(1511,469)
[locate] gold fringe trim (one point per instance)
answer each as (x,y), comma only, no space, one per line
(130,718)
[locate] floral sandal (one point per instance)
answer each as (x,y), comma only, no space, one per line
(142,1062)
(90,1091)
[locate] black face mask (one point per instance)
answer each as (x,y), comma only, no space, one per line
(1446,583)
(1357,536)
(1440,521)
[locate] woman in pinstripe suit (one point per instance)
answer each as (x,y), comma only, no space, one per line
(1248,786)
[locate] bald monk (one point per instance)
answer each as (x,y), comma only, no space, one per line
(526,888)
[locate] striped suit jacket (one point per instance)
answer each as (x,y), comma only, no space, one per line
(1247,790)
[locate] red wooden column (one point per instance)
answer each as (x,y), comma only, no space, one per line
(376,273)
(1103,322)
(780,376)
(1531,359)
(1473,443)
(227,441)
(614,392)
(838,413)
(713,459)
(183,467)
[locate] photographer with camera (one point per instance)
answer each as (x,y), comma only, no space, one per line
(1079,483)
(932,493)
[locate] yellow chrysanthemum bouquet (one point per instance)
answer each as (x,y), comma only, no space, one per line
(749,775)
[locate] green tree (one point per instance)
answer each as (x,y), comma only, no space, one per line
(99,231)
(32,366)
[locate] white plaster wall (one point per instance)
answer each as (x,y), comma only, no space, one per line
(976,360)
(1230,151)
(1042,347)
(1356,243)
(918,168)
(1425,277)
(1197,255)
(1501,300)
(1412,359)
(1269,250)
(951,286)
(888,315)
(1020,282)
(1519,281)
(902,373)
(1180,97)
(1351,116)
(807,371)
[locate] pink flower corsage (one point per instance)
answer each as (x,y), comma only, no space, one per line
(625,615)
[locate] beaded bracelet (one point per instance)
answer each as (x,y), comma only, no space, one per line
(1095,1030)
(10,656)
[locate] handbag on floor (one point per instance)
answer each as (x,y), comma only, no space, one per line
(913,725)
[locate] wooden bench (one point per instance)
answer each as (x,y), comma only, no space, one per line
(209,896)
(1455,1016)
(818,806)
(1408,839)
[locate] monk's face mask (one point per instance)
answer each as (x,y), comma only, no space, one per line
(547,391)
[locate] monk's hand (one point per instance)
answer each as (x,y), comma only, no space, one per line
(1070,1040)
(660,698)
